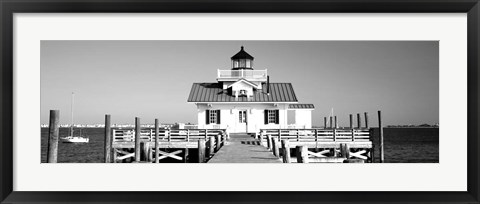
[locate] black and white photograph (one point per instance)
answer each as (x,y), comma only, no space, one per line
(212,101)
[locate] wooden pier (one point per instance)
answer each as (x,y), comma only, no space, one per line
(243,148)
(321,145)
(148,145)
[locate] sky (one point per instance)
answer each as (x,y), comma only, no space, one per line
(152,79)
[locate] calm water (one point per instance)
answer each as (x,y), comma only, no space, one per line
(402,145)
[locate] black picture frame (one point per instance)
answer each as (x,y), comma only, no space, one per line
(10,7)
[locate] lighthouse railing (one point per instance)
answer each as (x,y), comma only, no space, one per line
(246,74)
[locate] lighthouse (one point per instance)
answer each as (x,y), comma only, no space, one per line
(243,100)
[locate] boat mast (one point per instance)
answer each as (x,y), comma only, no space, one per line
(71,113)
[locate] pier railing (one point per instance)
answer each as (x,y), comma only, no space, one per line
(165,135)
(170,144)
(354,145)
(319,135)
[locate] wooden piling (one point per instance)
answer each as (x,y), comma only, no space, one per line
(157,149)
(325,122)
(144,146)
(359,121)
(219,142)
(331,122)
(201,151)
(275,148)
(114,155)
(108,140)
(344,150)
(334,133)
(351,121)
(333,152)
(336,123)
(269,142)
(286,151)
(137,139)
(53,132)
(185,155)
(366,120)
(380,134)
(260,138)
(302,154)
(211,146)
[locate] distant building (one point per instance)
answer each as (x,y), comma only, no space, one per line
(244,101)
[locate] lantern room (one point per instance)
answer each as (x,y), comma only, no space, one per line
(242,60)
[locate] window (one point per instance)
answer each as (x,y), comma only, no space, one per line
(242,63)
(212,116)
(271,116)
(243,92)
(242,116)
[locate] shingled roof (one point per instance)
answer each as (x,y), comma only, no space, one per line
(213,92)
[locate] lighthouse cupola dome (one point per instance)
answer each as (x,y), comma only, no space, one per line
(242,60)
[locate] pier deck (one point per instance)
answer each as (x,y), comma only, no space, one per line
(241,148)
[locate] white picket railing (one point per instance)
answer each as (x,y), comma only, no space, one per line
(246,74)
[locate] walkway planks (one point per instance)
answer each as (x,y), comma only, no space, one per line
(241,148)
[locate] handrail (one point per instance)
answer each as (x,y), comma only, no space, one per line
(250,74)
(170,135)
(319,135)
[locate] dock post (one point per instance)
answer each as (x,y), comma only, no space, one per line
(331,125)
(269,142)
(201,151)
(224,139)
(144,146)
(333,152)
(359,121)
(157,149)
(324,122)
(302,154)
(344,150)
(211,146)
(286,151)
(53,132)
(334,133)
(185,155)
(372,153)
(137,139)
(260,138)
(275,147)
(219,142)
(336,124)
(380,134)
(280,134)
(366,120)
(108,139)
(351,121)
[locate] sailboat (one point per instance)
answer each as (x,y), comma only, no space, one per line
(71,138)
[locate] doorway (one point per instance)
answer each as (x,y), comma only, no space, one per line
(242,121)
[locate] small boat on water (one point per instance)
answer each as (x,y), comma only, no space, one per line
(71,138)
(75,139)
